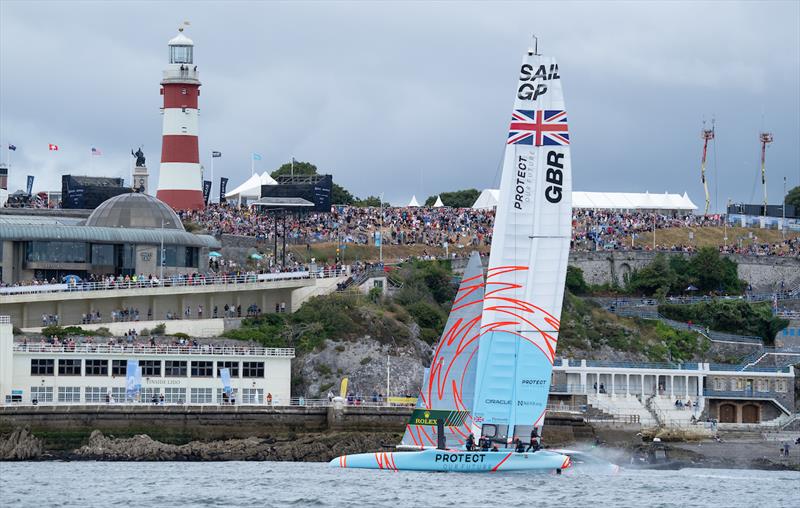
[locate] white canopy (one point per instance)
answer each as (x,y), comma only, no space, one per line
(414,201)
(252,187)
(609,200)
(488,199)
(438,203)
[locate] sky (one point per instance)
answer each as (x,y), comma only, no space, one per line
(409,97)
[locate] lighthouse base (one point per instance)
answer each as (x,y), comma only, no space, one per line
(182,199)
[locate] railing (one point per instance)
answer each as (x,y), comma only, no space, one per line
(738,394)
(172,282)
(5,320)
(642,365)
(156,350)
(276,403)
(566,408)
(568,389)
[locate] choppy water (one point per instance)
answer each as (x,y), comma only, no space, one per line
(239,484)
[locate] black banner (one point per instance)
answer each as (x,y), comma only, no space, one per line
(223,186)
(30,184)
(206,191)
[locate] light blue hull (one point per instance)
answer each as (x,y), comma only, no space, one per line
(455,460)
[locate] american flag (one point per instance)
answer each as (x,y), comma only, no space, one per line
(96,151)
(539,127)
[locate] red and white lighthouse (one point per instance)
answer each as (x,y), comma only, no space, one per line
(180,178)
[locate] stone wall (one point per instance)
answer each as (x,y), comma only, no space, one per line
(602,267)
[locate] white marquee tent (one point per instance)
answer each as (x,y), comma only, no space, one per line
(414,201)
(609,200)
(251,189)
(488,199)
(438,203)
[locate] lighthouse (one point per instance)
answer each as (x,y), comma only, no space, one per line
(180,178)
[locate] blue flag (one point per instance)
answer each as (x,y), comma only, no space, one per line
(225,375)
(256,156)
(131,371)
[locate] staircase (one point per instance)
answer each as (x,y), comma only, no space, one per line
(623,408)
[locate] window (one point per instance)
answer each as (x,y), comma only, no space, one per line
(780,385)
(762,385)
(96,367)
(180,54)
(151,368)
(201,396)
(175,368)
(232,366)
(174,395)
(148,394)
(738,384)
(42,393)
(102,255)
(234,395)
(42,366)
(253,396)
(69,393)
(202,369)
(719,384)
(252,369)
(56,252)
(69,367)
(95,394)
(118,394)
(119,367)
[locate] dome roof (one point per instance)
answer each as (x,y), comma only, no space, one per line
(134,210)
(181,40)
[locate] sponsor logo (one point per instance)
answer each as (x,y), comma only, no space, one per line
(534,381)
(498,401)
(554,176)
(455,458)
(522,183)
(528,88)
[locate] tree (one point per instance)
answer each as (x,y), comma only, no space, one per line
(575,281)
(458,199)
(657,275)
(373,201)
(793,197)
(712,272)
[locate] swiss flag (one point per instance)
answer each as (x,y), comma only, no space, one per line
(52,147)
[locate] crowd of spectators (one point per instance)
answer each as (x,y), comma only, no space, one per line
(465,227)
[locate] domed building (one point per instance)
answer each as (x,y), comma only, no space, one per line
(122,236)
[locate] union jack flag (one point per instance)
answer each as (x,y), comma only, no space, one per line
(539,127)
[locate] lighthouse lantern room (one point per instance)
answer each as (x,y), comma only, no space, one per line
(180,177)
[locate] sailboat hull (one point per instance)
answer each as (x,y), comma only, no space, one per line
(456,460)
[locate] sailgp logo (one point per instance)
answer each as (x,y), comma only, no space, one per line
(527,91)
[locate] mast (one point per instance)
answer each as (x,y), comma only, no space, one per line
(707,135)
(766,138)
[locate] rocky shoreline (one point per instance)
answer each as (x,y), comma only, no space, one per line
(321,447)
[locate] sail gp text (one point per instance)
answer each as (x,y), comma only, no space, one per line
(553,176)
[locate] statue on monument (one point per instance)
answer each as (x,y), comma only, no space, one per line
(139,154)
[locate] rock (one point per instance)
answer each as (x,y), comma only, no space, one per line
(20,445)
(303,448)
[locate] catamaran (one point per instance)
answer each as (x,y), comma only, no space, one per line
(490,373)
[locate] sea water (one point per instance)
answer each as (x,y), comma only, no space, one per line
(251,484)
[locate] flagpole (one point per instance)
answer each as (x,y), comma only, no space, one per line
(252,164)
(211,190)
(292,166)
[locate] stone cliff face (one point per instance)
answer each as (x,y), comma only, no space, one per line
(363,362)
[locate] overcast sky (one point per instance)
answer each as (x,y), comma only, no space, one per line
(408,98)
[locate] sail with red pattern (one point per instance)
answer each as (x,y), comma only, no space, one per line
(449,382)
(528,261)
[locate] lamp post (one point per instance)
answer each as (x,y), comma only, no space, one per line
(380,234)
(783,211)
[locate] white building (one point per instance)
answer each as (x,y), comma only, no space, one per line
(97,373)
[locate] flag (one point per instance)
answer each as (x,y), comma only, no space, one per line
(13,148)
(538,128)
(256,156)
(216,154)
(225,376)
(29,185)
(52,147)
(96,151)
(223,186)
(206,191)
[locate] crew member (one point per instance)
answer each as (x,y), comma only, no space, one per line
(518,446)
(470,444)
(534,443)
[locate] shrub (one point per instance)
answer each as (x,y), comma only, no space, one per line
(159,329)
(323,369)
(180,335)
(103,331)
(145,332)
(575,281)
(365,360)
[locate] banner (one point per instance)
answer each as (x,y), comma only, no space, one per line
(223,187)
(225,375)
(131,371)
(30,184)
(206,191)
(377,238)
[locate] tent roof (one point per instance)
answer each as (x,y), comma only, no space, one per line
(609,200)
(413,201)
(488,199)
(438,203)
(252,187)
